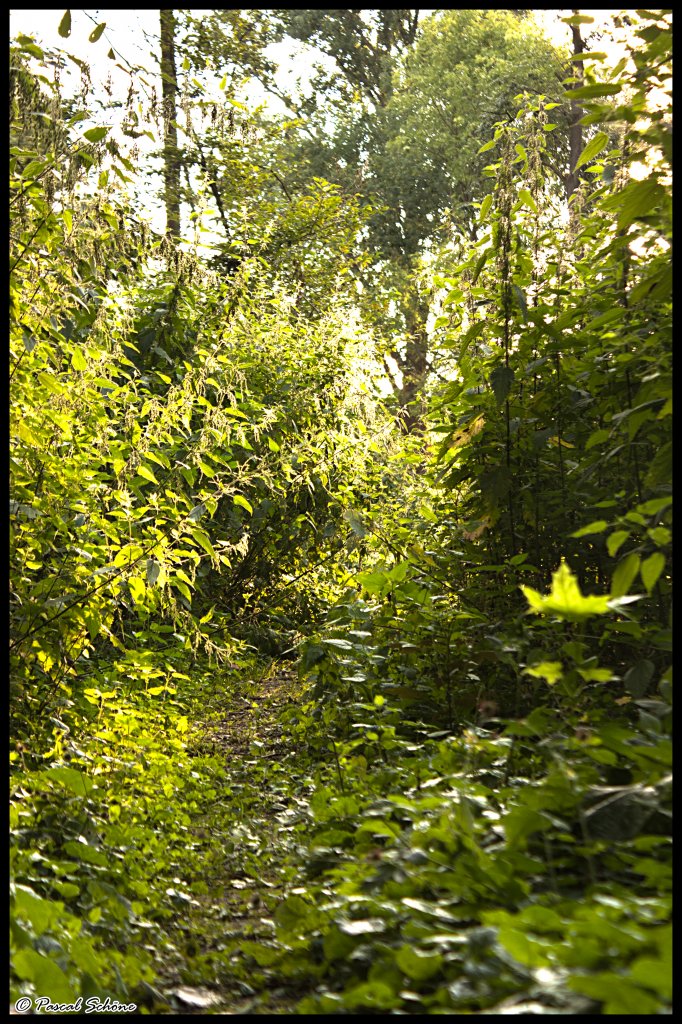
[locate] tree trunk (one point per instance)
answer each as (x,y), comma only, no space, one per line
(171,156)
(414,365)
(575,131)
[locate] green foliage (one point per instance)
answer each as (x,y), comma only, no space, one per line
(460,799)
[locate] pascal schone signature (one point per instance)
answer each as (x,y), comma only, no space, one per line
(93,1004)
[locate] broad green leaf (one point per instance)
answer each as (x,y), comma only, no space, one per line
(342,645)
(616,993)
(637,678)
(578,19)
(78,361)
(527,199)
(71,778)
(35,909)
(204,541)
(624,574)
(529,950)
(597,527)
(615,541)
(65,25)
(550,671)
(565,599)
(593,147)
(153,571)
(637,199)
(501,380)
(589,92)
(355,522)
(145,472)
(522,822)
(44,974)
(97,32)
(485,207)
(416,965)
(181,586)
(27,435)
(651,569)
(95,134)
(238,499)
(138,591)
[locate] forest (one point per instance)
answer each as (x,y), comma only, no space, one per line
(341,513)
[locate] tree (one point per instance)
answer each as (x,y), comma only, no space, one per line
(171,155)
(409,114)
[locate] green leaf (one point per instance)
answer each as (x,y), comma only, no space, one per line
(342,645)
(565,599)
(71,778)
(203,540)
(655,974)
(636,200)
(651,569)
(418,966)
(485,207)
(238,499)
(145,471)
(501,380)
(550,671)
(40,913)
(528,950)
(138,590)
(625,573)
(521,300)
(181,586)
(153,571)
(593,147)
(78,361)
(44,974)
(597,527)
(578,19)
(65,25)
(637,679)
(588,92)
(616,541)
(97,32)
(527,199)
(95,134)
(618,995)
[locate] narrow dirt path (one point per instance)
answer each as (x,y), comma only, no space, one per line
(217,937)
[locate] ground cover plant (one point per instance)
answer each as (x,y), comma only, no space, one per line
(340,564)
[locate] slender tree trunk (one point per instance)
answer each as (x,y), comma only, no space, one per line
(576,131)
(414,365)
(171,156)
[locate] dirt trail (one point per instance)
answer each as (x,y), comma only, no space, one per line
(209,976)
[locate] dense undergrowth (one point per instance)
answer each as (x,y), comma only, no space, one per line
(311,714)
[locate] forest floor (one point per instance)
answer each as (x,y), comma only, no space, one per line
(244,733)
